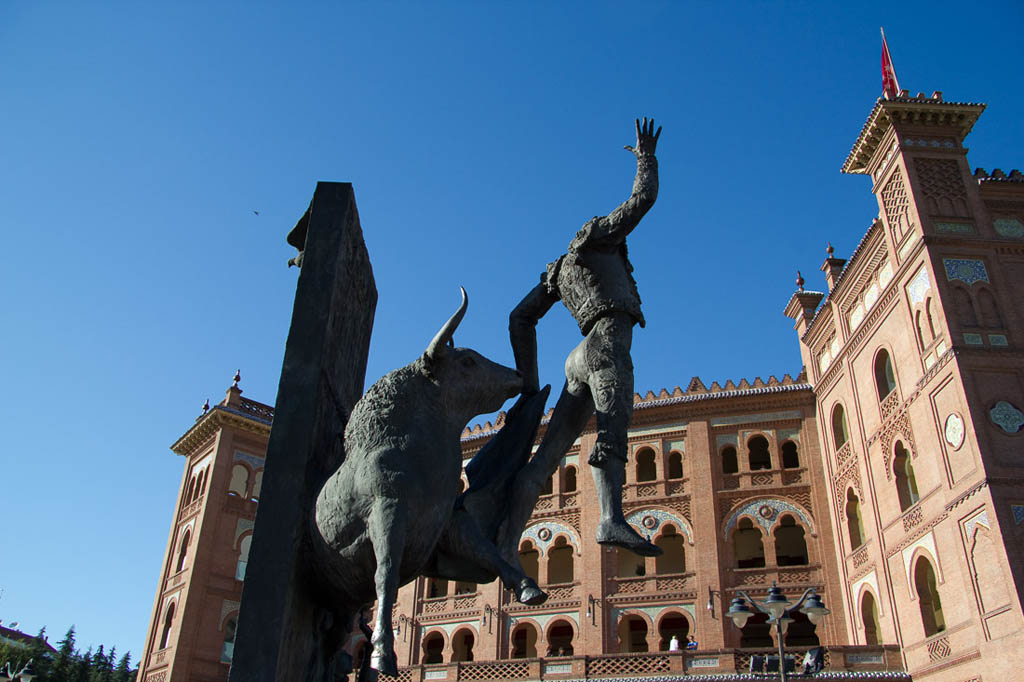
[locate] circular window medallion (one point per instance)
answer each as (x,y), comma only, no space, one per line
(766,512)
(544,534)
(955,430)
(649,522)
(1007,417)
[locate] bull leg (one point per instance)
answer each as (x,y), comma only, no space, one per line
(463,538)
(387,525)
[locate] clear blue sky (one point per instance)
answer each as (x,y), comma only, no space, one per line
(139,138)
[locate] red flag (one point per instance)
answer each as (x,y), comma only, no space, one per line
(890,86)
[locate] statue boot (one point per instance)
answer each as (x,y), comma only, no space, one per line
(613,529)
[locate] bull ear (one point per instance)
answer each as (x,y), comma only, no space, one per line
(443,338)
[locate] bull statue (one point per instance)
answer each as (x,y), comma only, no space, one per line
(391,512)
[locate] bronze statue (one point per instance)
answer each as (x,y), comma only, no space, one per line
(594,281)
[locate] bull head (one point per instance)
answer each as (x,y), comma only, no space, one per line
(439,345)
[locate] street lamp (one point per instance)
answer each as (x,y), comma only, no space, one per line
(777,606)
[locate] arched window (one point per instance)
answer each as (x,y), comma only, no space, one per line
(257,486)
(560,639)
(645,468)
(840,433)
(632,635)
(673,560)
(930,315)
(790,457)
(790,545)
(186,539)
(675,465)
(906,483)
(885,377)
(570,480)
(464,587)
(757,633)
(869,614)
(801,632)
(673,624)
(928,598)
(758,453)
(854,525)
(243,557)
(165,635)
(549,485)
(529,559)
(201,483)
(239,480)
(462,485)
(524,641)
(462,645)
(433,648)
(227,651)
(747,545)
(189,491)
(436,588)
(964,308)
(560,569)
(922,341)
(729,463)
(989,310)
(628,564)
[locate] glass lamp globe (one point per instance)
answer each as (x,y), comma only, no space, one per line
(814,608)
(739,612)
(777,602)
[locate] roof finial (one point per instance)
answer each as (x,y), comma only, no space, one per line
(829,250)
(238,377)
(206,406)
(799,281)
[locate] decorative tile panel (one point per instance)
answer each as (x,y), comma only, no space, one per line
(955,228)
(973,339)
(766,512)
(967,270)
(998,340)
(543,533)
(1009,227)
(926,542)
(649,521)
(979,518)
(1018,513)
(754,418)
(919,286)
(954,431)
(1006,416)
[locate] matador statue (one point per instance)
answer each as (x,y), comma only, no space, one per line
(594,281)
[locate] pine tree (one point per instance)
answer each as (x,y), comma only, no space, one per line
(123,672)
(64,662)
(99,666)
(40,655)
(82,666)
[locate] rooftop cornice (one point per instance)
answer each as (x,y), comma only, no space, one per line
(218,417)
(786,385)
(923,110)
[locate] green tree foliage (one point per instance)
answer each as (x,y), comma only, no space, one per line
(68,664)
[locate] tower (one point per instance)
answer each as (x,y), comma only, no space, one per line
(916,363)
(191,631)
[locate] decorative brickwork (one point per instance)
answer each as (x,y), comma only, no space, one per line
(942,187)
(894,199)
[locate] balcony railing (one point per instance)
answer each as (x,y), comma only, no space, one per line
(806,575)
(864,663)
(765,478)
(450,603)
(652,584)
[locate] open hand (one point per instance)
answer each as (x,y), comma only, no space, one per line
(646,139)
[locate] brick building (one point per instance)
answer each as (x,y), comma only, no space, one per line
(885,476)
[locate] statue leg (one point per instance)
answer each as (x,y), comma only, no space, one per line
(606,356)
(387,527)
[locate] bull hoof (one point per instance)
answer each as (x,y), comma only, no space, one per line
(385,665)
(528,593)
(621,534)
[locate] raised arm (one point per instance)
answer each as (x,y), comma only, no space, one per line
(616,226)
(522,332)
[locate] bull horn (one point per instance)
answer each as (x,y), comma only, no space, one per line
(444,336)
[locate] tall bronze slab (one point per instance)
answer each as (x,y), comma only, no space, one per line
(321,380)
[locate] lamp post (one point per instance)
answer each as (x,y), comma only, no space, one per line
(777,606)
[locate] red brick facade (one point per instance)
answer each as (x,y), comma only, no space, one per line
(886,476)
